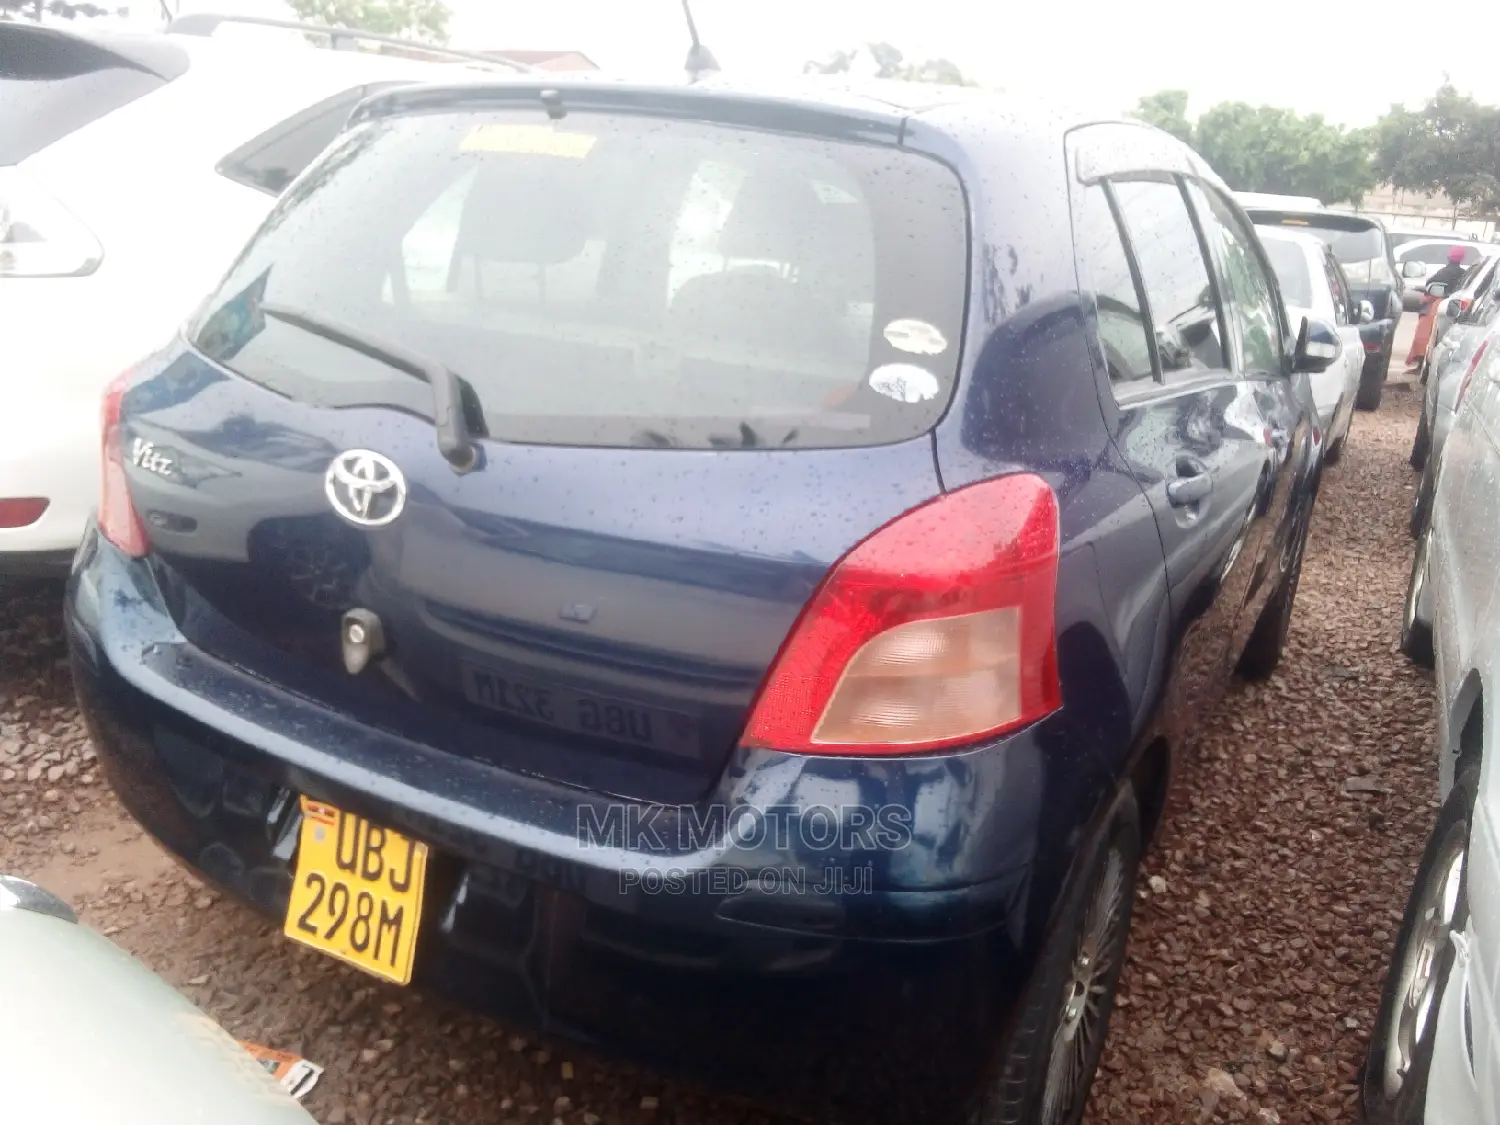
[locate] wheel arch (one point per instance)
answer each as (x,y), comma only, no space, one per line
(1150,776)
(1466,724)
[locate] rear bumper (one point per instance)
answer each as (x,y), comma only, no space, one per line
(1377,337)
(884,1001)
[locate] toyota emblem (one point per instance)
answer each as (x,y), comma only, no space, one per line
(365,488)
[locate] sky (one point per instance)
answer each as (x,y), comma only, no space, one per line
(1332,57)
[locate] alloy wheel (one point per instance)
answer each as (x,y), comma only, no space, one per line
(1100,947)
(1422,961)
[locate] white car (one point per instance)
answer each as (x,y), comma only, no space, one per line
(133,167)
(1313,285)
(89,1034)
(1435,1052)
(1418,259)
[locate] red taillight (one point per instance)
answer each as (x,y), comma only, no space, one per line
(21,512)
(1463,387)
(118,521)
(937,630)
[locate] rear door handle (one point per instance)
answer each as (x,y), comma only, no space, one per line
(1186,491)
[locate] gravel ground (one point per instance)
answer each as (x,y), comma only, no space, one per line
(1259,946)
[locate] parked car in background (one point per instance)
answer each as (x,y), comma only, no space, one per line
(1419,259)
(1360,245)
(1477,282)
(1313,285)
(1435,1049)
(1400,236)
(795,520)
(132,167)
(1460,332)
(1458,381)
(89,1034)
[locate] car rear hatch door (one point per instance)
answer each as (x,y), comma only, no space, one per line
(1357,243)
(690,368)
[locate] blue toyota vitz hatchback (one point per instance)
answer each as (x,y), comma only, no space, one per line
(721,575)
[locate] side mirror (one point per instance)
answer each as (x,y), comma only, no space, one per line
(1366,312)
(1318,346)
(1437,289)
(1413,269)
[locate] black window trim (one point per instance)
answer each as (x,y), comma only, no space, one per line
(1284,327)
(1135,387)
(1164,386)
(231,165)
(1233,360)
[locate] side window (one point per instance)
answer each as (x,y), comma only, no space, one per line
(1179,291)
(1486,283)
(274,159)
(1337,287)
(1104,274)
(1436,254)
(1248,292)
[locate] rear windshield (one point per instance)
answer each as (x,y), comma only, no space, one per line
(1290,264)
(614,280)
(1361,252)
(52,84)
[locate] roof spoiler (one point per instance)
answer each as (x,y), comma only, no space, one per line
(340,38)
(1327,220)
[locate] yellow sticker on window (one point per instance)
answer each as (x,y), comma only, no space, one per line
(534,140)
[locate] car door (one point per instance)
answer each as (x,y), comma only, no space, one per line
(1190,429)
(1346,316)
(1256,320)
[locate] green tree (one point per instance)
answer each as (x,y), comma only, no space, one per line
(889,62)
(1263,148)
(411,19)
(1451,145)
(1167,109)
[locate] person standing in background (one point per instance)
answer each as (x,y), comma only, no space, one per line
(1449,277)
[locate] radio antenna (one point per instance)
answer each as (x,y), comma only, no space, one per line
(700,59)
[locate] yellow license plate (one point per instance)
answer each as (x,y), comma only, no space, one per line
(357,895)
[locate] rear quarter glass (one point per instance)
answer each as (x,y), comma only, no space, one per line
(52,84)
(615,280)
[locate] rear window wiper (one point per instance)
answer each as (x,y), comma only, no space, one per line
(453,438)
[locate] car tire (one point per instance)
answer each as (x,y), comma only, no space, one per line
(1421,445)
(1264,648)
(1393,1084)
(1335,451)
(1047,1066)
(1371,384)
(1416,628)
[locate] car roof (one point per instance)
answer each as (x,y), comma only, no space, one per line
(889,106)
(169,54)
(1428,232)
(1485,248)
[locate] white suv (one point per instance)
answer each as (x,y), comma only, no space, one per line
(133,167)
